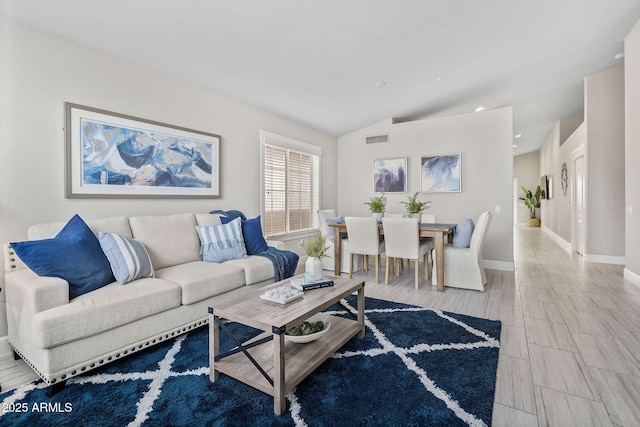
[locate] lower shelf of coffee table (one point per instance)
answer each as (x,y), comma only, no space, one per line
(300,359)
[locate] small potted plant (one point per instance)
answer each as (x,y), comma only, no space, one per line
(414,206)
(377,205)
(532,201)
(316,249)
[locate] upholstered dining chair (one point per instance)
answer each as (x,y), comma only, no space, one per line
(324,217)
(402,240)
(463,266)
(364,240)
(427,218)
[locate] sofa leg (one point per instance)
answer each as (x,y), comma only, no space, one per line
(56,388)
(16,356)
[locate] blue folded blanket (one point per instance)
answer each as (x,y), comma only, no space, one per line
(284,262)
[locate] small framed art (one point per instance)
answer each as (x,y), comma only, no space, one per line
(440,174)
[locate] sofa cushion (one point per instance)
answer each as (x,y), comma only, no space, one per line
(170,240)
(254,241)
(200,280)
(207,219)
(220,243)
(462,234)
(114,224)
(73,255)
(128,258)
(256,268)
(103,309)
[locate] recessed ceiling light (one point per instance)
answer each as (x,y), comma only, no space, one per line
(514,145)
(379,83)
(479,109)
(619,55)
(517,136)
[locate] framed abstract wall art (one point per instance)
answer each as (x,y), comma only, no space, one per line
(440,174)
(115,155)
(390,175)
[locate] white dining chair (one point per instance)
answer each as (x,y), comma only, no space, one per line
(402,241)
(427,218)
(463,266)
(364,240)
(328,262)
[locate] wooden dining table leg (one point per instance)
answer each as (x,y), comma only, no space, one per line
(337,249)
(440,261)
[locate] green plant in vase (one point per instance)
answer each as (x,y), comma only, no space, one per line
(316,249)
(415,207)
(532,201)
(377,205)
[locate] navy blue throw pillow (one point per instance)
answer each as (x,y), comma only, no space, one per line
(252,232)
(74,255)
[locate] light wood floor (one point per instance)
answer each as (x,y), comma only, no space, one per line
(570,344)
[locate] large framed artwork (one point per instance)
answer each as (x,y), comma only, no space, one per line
(390,175)
(440,174)
(115,155)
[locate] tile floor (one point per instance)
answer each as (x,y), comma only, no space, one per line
(570,344)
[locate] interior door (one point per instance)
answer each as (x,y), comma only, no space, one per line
(579,204)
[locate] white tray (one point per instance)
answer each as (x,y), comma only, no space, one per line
(282,295)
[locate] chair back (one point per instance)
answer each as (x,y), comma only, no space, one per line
(363,234)
(401,237)
(427,218)
(477,238)
(323,215)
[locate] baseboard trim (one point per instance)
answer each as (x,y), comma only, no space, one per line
(559,240)
(498,265)
(5,349)
(632,277)
(605,259)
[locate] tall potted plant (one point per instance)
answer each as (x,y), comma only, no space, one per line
(532,201)
(377,205)
(414,206)
(316,250)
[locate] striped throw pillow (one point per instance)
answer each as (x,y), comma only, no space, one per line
(220,243)
(129,258)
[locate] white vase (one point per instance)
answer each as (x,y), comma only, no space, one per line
(378,216)
(313,268)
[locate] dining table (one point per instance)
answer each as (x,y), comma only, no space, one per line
(437,231)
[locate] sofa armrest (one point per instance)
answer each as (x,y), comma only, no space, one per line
(26,291)
(276,244)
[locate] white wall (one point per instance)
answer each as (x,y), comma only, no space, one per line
(632,153)
(602,135)
(39,71)
(526,167)
(485,140)
(604,119)
(556,212)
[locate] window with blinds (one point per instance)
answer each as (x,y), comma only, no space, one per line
(291,184)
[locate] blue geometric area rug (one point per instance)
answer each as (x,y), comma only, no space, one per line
(415,367)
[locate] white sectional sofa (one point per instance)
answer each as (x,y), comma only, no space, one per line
(60,338)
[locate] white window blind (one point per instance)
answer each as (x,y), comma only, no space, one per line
(291,184)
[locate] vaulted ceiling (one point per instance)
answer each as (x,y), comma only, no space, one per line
(340,65)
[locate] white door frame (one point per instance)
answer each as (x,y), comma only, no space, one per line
(575,155)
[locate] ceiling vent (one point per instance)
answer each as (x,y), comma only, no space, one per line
(377,139)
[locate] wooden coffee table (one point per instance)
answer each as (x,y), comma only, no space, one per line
(268,362)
